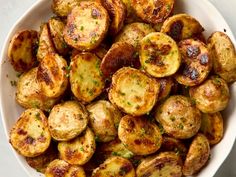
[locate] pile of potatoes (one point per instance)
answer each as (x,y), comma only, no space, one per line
(120,88)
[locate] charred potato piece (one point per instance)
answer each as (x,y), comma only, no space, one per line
(197,156)
(131,15)
(164,164)
(85,77)
(62,8)
(78,151)
(196,63)
(104,119)
(22,50)
(52,75)
(29,94)
(159,55)
(223,53)
(119,55)
(211,96)
(30,135)
(179,117)
(67,120)
(133,91)
(139,136)
(166,85)
(115,166)
(87,25)
(212,127)
(153,11)
(181,26)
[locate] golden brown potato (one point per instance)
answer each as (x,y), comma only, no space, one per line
(119,55)
(52,75)
(67,120)
(197,156)
(153,11)
(22,50)
(212,127)
(62,8)
(164,164)
(30,135)
(196,63)
(179,117)
(159,55)
(131,15)
(115,166)
(87,25)
(76,171)
(166,85)
(86,77)
(133,91)
(139,135)
(181,26)
(211,96)
(223,54)
(78,151)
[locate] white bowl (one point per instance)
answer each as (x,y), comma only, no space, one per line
(40,12)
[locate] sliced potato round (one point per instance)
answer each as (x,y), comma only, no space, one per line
(197,156)
(119,55)
(181,26)
(22,50)
(62,8)
(166,85)
(139,135)
(223,53)
(85,77)
(79,150)
(104,119)
(196,63)
(115,166)
(30,135)
(87,25)
(153,11)
(212,127)
(52,75)
(211,96)
(131,15)
(133,91)
(179,117)
(159,55)
(164,164)
(29,94)
(67,120)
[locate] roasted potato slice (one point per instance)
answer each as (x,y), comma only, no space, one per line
(211,96)
(22,50)
(29,94)
(87,25)
(166,85)
(196,63)
(62,8)
(85,77)
(159,55)
(30,135)
(139,135)
(131,15)
(76,171)
(52,75)
(79,150)
(67,120)
(223,53)
(104,119)
(133,91)
(212,127)
(179,117)
(115,166)
(119,55)
(164,164)
(181,26)
(153,11)
(197,156)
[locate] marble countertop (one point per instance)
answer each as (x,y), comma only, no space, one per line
(11,10)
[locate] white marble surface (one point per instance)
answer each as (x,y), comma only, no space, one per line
(11,10)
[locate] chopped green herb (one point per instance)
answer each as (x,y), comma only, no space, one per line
(37,115)
(13,83)
(82,28)
(82,149)
(18,74)
(180,126)
(143,131)
(172,118)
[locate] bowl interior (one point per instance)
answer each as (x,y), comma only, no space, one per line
(202,10)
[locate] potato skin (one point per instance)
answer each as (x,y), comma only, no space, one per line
(22,50)
(197,156)
(223,52)
(211,96)
(179,117)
